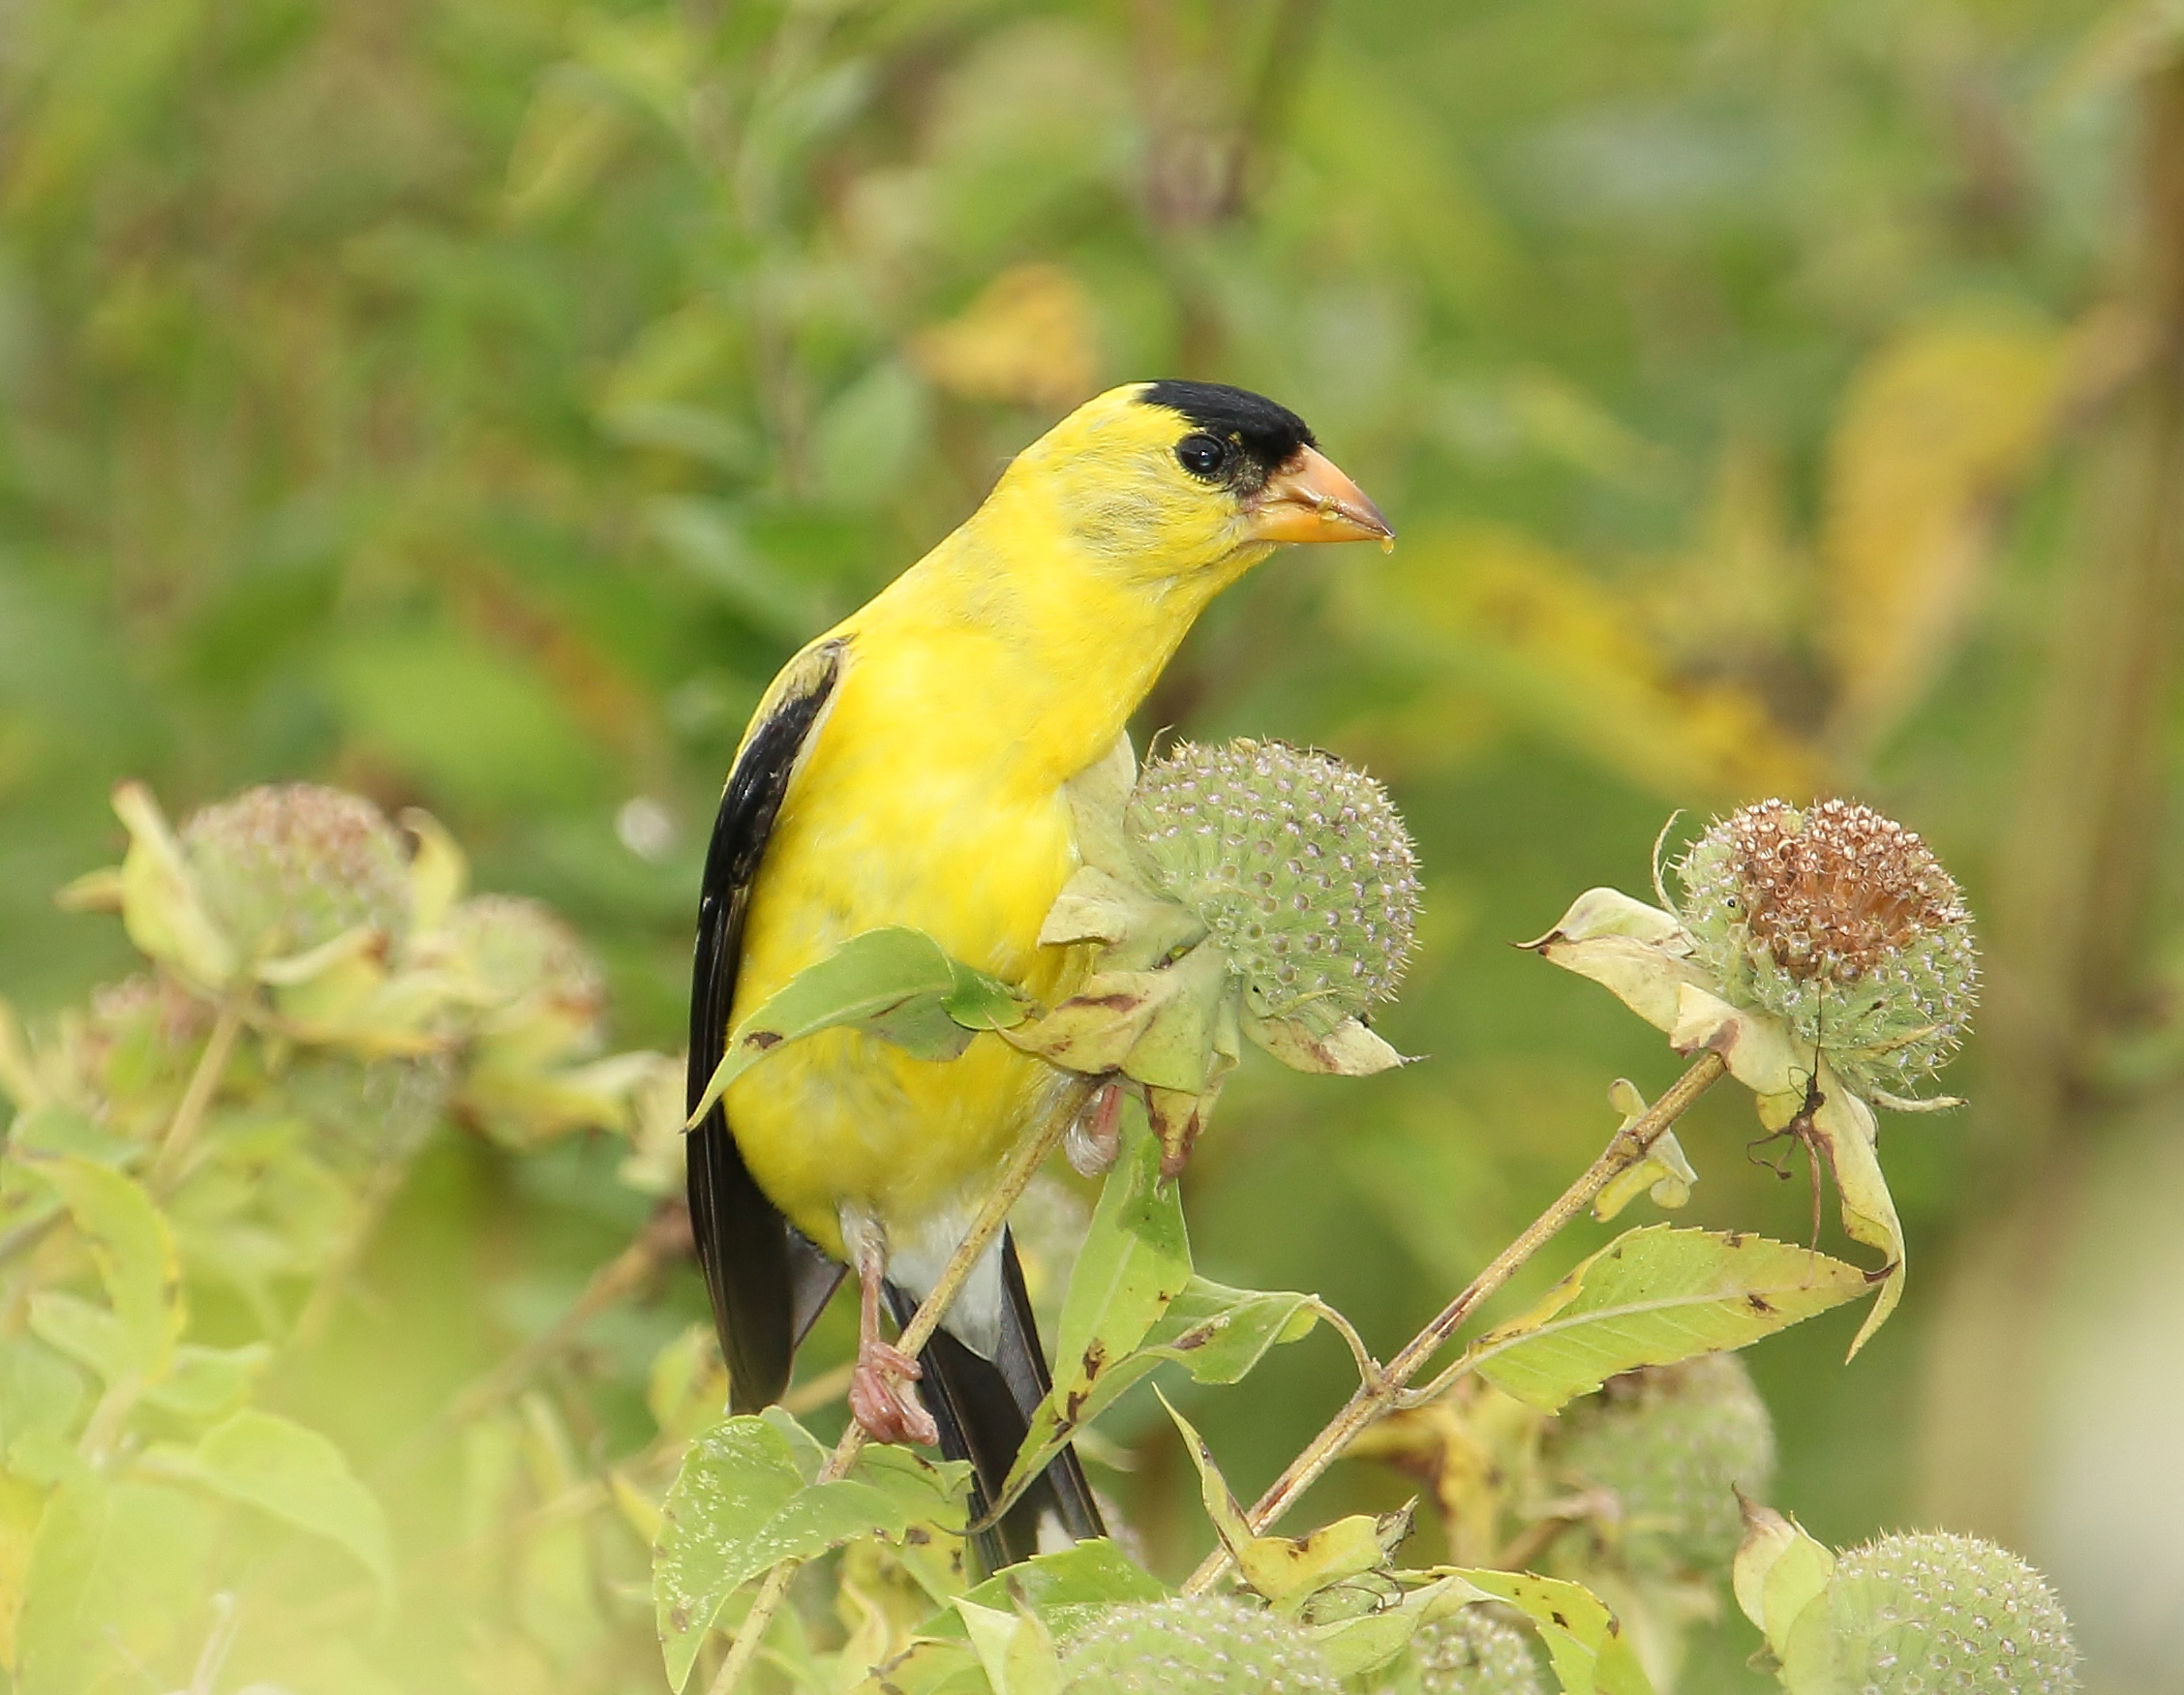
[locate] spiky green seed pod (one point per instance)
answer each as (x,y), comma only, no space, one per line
(1476,1652)
(1296,864)
(520,951)
(286,867)
(1673,1444)
(1193,1645)
(1842,924)
(1935,1614)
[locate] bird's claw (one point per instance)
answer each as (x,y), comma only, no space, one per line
(879,1401)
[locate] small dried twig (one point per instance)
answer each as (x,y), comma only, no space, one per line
(1386,1392)
(182,1130)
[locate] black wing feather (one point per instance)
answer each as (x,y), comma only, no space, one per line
(984,1411)
(765,1279)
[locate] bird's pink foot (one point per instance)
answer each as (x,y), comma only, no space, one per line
(881,1399)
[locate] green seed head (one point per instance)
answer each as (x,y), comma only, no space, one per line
(1202,1646)
(1842,924)
(287,867)
(1673,1444)
(1935,1614)
(521,954)
(1296,864)
(1476,1652)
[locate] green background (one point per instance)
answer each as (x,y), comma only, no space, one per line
(471,402)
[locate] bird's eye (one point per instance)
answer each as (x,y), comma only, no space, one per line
(1203,455)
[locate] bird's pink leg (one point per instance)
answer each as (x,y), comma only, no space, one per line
(880,1398)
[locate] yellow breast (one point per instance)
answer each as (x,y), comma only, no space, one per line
(908,809)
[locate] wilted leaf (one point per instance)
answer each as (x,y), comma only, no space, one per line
(1585,1641)
(1665,1173)
(1655,1296)
(895,983)
(1352,1048)
(742,1504)
(1635,951)
(1288,1571)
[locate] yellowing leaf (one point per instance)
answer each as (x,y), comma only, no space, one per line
(1494,612)
(1030,338)
(1585,1640)
(1935,427)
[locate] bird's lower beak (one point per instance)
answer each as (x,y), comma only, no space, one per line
(1309,499)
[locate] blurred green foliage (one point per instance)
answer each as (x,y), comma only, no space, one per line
(471,402)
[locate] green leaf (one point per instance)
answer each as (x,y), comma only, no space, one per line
(207,1382)
(38,1391)
(742,1504)
(1353,1646)
(895,983)
(1585,1641)
(59,1130)
(295,1474)
(86,1332)
(1015,1648)
(1778,1572)
(1135,1261)
(114,1584)
(135,1254)
(1654,1296)
(1065,1589)
(1216,1333)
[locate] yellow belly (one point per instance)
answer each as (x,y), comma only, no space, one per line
(892,822)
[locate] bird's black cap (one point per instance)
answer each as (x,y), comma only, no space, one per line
(1268,434)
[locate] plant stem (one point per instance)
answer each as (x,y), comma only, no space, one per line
(1031,1153)
(1385,1392)
(189,1113)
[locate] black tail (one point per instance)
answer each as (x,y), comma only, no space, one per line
(984,1411)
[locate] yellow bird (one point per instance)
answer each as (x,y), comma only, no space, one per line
(907,767)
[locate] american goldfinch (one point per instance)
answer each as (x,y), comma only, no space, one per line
(908,769)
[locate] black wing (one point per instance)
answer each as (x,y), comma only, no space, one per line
(767,1280)
(984,1410)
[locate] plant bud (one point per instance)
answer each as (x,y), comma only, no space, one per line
(1298,864)
(520,954)
(285,868)
(1476,1652)
(1673,1444)
(1193,1645)
(1842,924)
(1936,1613)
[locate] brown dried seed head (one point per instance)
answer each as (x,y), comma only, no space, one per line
(1839,891)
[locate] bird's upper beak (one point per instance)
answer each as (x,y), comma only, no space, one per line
(1309,499)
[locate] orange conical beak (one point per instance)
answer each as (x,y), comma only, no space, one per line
(1309,499)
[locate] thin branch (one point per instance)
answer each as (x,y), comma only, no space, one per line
(205,1082)
(1385,1393)
(1015,1177)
